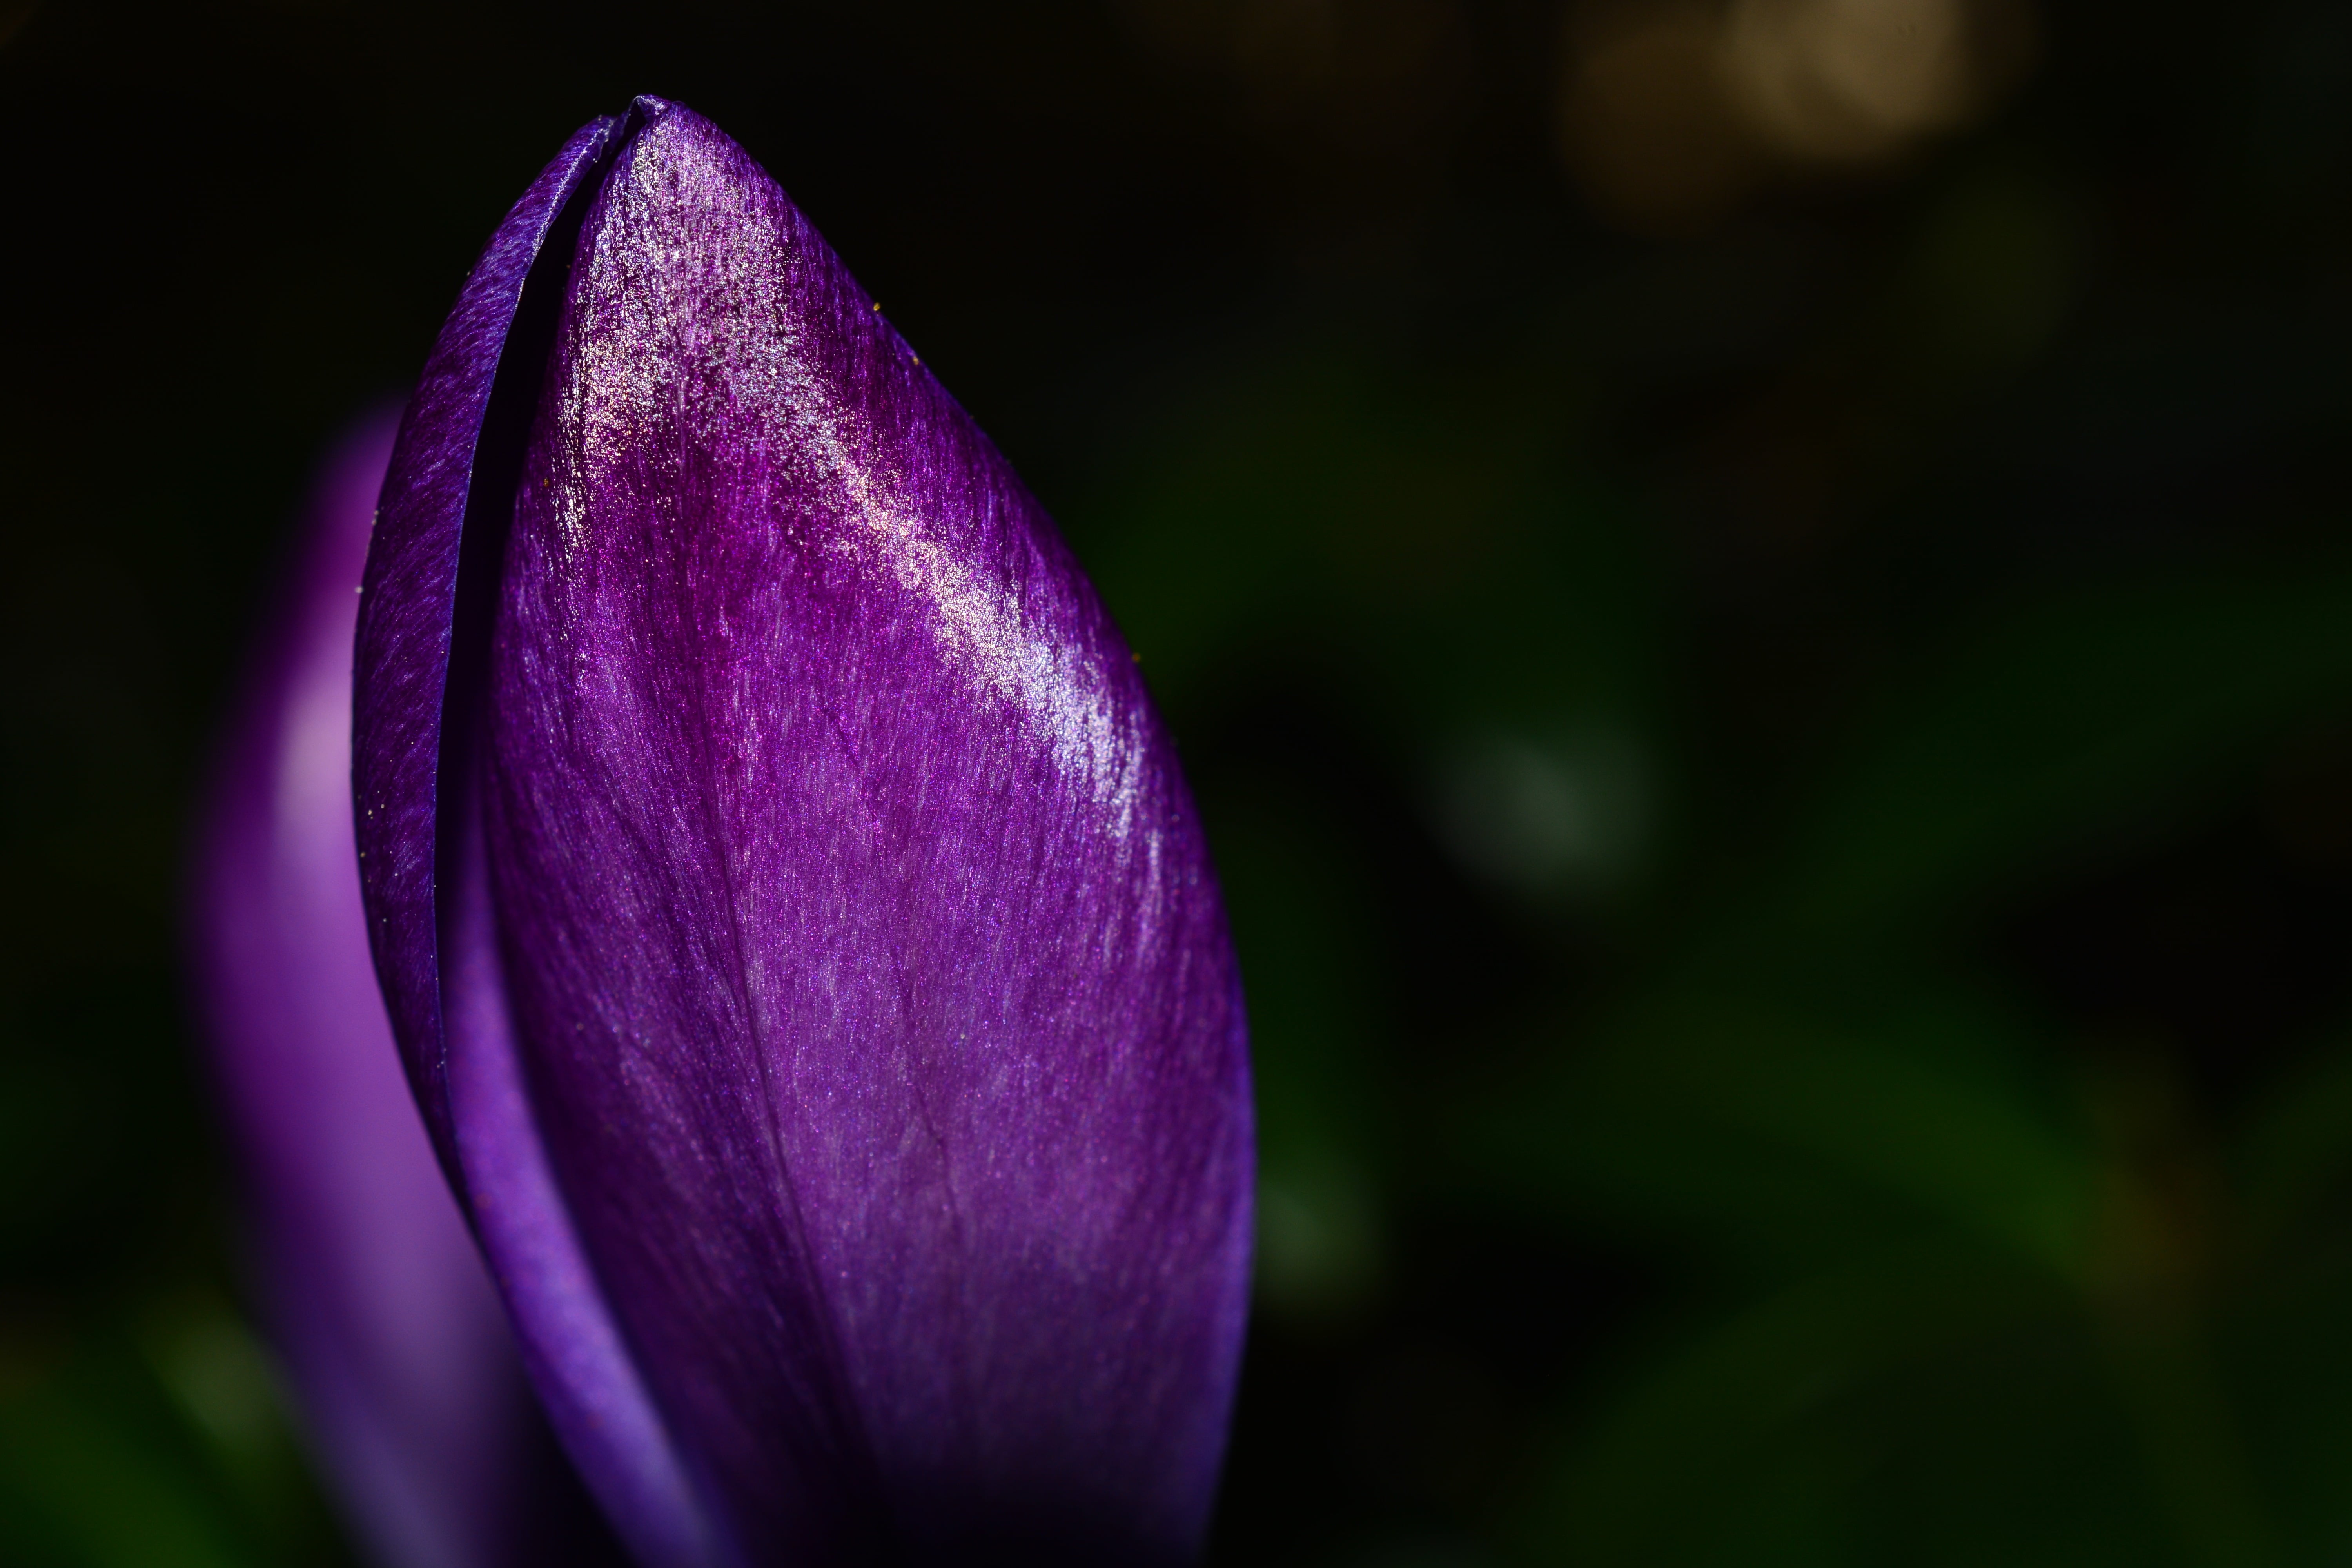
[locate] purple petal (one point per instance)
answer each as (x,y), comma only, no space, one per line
(873,987)
(395,1342)
(447,502)
(409,611)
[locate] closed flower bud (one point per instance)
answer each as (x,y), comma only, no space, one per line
(792,919)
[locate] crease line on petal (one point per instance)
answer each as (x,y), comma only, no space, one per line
(429,599)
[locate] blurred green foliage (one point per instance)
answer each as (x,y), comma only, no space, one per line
(1784,778)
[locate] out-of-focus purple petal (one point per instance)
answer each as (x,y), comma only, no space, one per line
(872,984)
(447,503)
(396,1343)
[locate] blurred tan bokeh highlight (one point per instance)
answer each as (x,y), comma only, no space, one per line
(1673,112)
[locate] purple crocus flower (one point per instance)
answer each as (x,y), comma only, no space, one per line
(796,926)
(386,1322)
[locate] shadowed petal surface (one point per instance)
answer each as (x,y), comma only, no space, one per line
(409,610)
(398,1349)
(871,981)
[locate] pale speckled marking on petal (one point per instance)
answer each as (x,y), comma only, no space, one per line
(987,640)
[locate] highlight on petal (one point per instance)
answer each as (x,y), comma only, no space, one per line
(396,1344)
(807,928)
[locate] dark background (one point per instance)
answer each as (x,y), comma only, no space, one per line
(1757,597)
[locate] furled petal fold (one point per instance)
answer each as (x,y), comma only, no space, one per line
(396,1344)
(432,574)
(875,1027)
